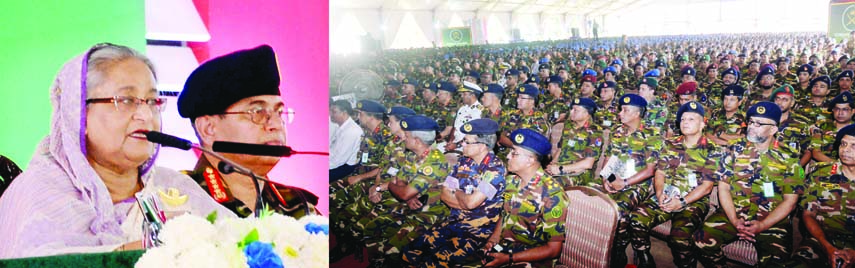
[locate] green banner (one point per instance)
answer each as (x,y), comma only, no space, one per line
(841,19)
(461,36)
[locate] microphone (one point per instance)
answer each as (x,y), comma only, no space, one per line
(251,149)
(172,141)
(168,140)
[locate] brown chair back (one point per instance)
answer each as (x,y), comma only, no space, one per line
(592,219)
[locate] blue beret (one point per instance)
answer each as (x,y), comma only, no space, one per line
(689,71)
(408,81)
(732,71)
(543,60)
(401,112)
(370,106)
(606,84)
(533,79)
(587,103)
(689,107)
(512,72)
(555,79)
(480,126)
(429,85)
(589,72)
(495,89)
(418,122)
(220,82)
(782,59)
(765,71)
(473,73)
(823,78)
(447,86)
(528,90)
(733,90)
(531,140)
(633,100)
(844,97)
(610,69)
(652,73)
(847,130)
(765,109)
(805,68)
(524,69)
(845,73)
(617,61)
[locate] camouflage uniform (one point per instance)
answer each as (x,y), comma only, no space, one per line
(815,112)
(685,169)
(794,133)
(748,171)
(533,214)
(720,124)
(514,119)
(510,97)
(577,144)
(494,116)
(641,147)
(390,229)
(607,117)
(656,117)
(444,115)
(554,107)
(789,78)
(832,197)
(824,140)
(458,239)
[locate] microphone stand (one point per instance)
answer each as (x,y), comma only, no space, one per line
(235,167)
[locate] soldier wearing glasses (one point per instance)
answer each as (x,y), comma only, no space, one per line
(823,133)
(525,116)
(244,106)
(474,192)
(760,183)
(682,183)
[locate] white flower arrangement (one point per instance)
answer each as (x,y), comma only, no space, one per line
(272,240)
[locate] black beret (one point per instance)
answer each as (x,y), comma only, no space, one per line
(220,82)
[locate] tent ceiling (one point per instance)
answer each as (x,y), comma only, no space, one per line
(572,7)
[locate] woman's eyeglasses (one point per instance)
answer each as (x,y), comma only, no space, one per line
(131,104)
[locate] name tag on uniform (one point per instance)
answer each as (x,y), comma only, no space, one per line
(693,180)
(365,157)
(507,101)
(571,143)
(452,182)
(794,145)
(768,189)
(607,123)
(392,171)
(555,114)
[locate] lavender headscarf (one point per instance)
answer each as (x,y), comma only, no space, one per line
(59,204)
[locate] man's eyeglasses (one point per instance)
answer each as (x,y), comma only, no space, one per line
(465,142)
(131,104)
(758,124)
(845,110)
(525,98)
(261,116)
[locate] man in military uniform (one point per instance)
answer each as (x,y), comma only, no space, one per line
(587,87)
(783,74)
(470,109)
(763,86)
(444,111)
(827,213)
(417,184)
(427,100)
(579,147)
(823,133)
(844,82)
(555,107)
(607,106)
(391,91)
(512,77)
(408,96)
(636,145)
(815,104)
(759,185)
(525,116)
(802,87)
(728,123)
(531,228)
(683,180)
(793,127)
(657,111)
(685,93)
(492,101)
(475,193)
(246,108)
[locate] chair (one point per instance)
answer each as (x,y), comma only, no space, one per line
(8,171)
(592,219)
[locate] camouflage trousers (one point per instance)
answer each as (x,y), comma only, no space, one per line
(389,230)
(772,245)
(452,242)
(627,201)
(810,252)
(683,224)
(348,203)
